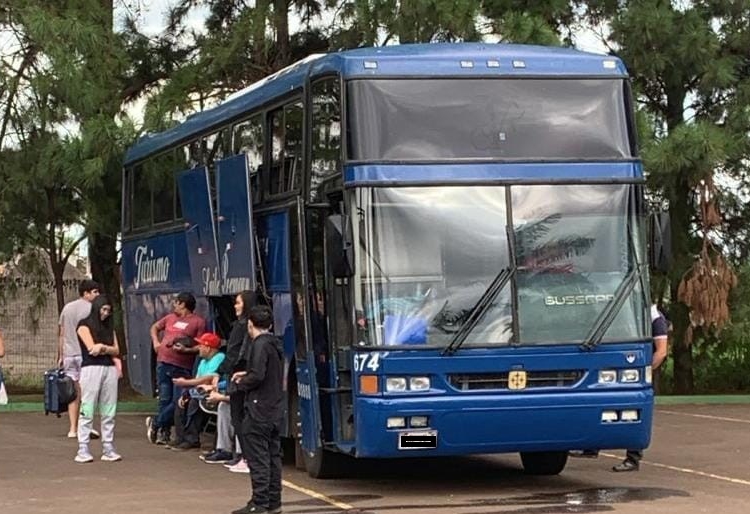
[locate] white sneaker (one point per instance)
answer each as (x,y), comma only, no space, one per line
(111,456)
(94,434)
(84,455)
(72,435)
(240,467)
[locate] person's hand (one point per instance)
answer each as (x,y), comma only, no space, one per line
(179,381)
(238,376)
(215,396)
(206,388)
(182,402)
(96,350)
(118,366)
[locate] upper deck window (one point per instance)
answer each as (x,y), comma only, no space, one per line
(487,118)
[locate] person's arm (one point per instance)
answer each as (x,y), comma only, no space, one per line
(192,382)
(660,351)
(2,345)
(256,369)
(60,340)
(154,331)
(88,340)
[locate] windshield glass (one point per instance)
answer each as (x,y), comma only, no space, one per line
(426,256)
(487,118)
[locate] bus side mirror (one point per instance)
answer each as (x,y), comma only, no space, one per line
(339,246)
(660,242)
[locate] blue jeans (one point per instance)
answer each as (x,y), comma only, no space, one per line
(168,392)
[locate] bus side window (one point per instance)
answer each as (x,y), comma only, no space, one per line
(141,210)
(127,199)
(286,148)
(161,170)
(248,139)
(326,136)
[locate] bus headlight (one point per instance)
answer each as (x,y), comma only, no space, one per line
(649,375)
(418,421)
(395,423)
(629,376)
(629,415)
(419,383)
(607,376)
(395,384)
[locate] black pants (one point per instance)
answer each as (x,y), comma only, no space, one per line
(237,413)
(189,422)
(634,455)
(262,442)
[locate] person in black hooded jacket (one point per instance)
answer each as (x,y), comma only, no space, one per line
(260,432)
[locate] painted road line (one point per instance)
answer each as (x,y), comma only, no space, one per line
(317,495)
(704,416)
(685,470)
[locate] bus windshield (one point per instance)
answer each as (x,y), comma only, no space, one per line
(487,118)
(427,255)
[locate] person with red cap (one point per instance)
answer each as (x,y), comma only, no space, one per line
(189,417)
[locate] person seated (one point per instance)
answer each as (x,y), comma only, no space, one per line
(189,418)
(217,403)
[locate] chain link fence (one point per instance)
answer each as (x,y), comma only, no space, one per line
(29,323)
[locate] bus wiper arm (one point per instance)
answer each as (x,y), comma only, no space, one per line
(476,313)
(610,312)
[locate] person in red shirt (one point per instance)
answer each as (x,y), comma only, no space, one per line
(175,355)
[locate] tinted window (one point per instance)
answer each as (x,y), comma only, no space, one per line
(286,148)
(420,119)
(161,172)
(248,139)
(141,199)
(326,135)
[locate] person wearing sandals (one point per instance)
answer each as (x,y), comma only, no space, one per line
(99,376)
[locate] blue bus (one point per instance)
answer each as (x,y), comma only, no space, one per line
(452,238)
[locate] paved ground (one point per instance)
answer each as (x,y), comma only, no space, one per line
(699,462)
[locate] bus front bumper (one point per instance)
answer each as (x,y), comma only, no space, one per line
(461,425)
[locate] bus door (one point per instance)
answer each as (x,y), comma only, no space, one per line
(281,243)
(197,210)
(234,224)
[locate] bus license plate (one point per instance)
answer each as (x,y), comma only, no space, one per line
(417,440)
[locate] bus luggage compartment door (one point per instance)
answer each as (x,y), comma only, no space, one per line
(234,224)
(195,196)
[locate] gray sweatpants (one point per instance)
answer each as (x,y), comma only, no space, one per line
(98,388)
(225,436)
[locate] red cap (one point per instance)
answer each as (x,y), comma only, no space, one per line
(209,339)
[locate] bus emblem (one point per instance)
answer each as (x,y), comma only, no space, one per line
(517,380)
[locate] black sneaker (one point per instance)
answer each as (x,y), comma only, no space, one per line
(274,510)
(626,465)
(217,457)
(234,461)
(251,509)
(151,431)
(162,438)
(185,446)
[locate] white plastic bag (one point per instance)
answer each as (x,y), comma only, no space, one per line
(3,394)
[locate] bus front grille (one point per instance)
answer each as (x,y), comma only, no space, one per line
(499,381)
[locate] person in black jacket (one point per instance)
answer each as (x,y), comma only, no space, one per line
(235,360)
(261,427)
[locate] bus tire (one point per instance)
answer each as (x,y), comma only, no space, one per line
(544,463)
(324,463)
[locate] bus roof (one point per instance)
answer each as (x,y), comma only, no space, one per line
(418,60)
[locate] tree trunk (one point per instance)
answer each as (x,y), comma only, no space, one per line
(281,23)
(679,211)
(106,271)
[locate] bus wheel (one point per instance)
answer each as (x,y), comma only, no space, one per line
(544,463)
(325,464)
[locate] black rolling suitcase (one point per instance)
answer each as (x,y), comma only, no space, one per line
(59,391)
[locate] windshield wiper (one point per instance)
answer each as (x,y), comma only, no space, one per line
(610,312)
(476,313)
